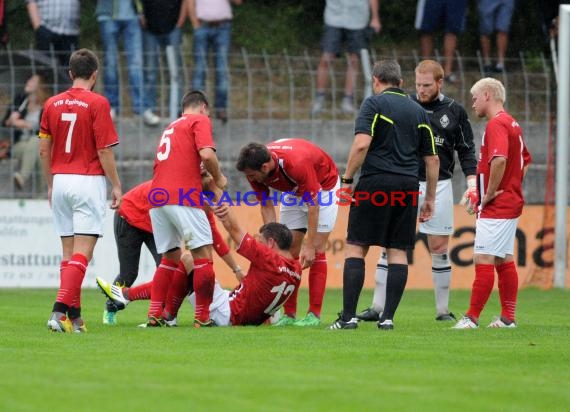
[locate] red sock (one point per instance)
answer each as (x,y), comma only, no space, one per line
(482,288)
(204,279)
(508,289)
(140,292)
(81,263)
(72,276)
(177,291)
(290,305)
(160,284)
(317,283)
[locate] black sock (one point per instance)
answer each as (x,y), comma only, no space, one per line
(395,285)
(74,313)
(353,280)
(60,307)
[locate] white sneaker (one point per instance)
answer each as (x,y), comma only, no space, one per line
(113,292)
(171,323)
(465,323)
(347,106)
(500,323)
(318,105)
(150,119)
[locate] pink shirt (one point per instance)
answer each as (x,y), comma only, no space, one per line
(213,10)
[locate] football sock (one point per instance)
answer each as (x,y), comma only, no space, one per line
(204,279)
(317,283)
(508,289)
(79,263)
(177,290)
(481,290)
(352,282)
(441,274)
(395,285)
(139,292)
(379,299)
(160,284)
(60,307)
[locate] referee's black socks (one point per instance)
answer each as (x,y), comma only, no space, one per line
(353,280)
(395,285)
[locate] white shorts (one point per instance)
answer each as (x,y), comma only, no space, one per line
(79,204)
(441,222)
(173,225)
(297,216)
(220,311)
(495,237)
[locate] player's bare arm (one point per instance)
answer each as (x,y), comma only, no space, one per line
(45,159)
(107,159)
(307,255)
(432,173)
(497,170)
(268,214)
(211,164)
(224,213)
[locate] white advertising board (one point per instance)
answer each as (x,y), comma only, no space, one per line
(30,251)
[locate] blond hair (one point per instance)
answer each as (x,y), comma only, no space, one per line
(494,86)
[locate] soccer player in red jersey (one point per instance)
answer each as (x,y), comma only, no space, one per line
(272,278)
(309,207)
(503,162)
(178,216)
(133,228)
(76,140)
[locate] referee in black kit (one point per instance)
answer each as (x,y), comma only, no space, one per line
(392,132)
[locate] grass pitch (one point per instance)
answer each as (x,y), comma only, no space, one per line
(420,365)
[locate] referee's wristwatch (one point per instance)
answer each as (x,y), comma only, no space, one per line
(346,180)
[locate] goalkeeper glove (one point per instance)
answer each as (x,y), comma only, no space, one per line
(470,198)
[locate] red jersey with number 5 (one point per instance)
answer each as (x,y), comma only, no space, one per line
(78,121)
(270,281)
(177,162)
(503,138)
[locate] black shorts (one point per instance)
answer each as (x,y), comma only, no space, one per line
(334,38)
(388,217)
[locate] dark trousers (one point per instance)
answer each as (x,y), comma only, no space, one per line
(130,240)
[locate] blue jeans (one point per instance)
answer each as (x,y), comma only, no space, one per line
(131,32)
(217,38)
(152,45)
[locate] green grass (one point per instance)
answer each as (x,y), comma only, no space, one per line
(420,365)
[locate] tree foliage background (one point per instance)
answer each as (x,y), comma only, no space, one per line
(296,25)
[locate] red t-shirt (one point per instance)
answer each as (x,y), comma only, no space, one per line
(177,163)
(301,167)
(135,206)
(270,280)
(503,137)
(79,123)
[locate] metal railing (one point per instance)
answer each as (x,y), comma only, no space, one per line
(270,97)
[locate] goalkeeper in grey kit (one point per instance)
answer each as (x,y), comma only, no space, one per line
(453,133)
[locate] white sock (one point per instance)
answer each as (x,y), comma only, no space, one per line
(441,273)
(381,276)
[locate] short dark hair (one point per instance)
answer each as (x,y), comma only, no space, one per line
(279,233)
(83,63)
(194,98)
(388,72)
(253,156)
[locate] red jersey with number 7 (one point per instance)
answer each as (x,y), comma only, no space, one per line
(78,121)
(503,138)
(177,162)
(270,281)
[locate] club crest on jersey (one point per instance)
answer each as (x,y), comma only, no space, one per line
(444,120)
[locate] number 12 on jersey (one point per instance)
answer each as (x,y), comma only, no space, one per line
(280,291)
